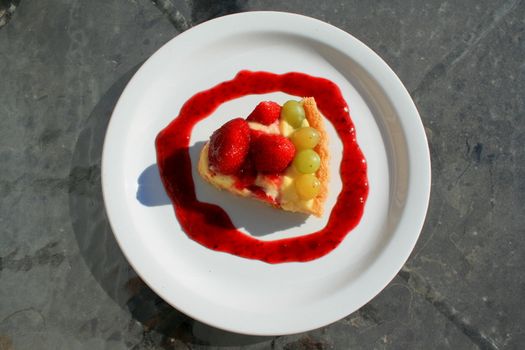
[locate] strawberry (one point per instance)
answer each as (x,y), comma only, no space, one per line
(254,134)
(265,113)
(247,169)
(229,146)
(246,175)
(272,153)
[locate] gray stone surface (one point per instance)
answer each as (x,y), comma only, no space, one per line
(7,9)
(64,284)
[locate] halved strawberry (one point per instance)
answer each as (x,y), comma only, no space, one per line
(229,146)
(265,113)
(272,153)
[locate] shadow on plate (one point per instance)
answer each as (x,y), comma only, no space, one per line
(150,191)
(245,213)
(162,324)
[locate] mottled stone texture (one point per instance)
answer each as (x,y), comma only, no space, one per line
(7,9)
(64,284)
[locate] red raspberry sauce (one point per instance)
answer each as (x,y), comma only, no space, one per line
(209,224)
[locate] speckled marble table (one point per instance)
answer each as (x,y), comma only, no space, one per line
(64,283)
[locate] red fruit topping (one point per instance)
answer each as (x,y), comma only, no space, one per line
(265,113)
(229,146)
(246,175)
(272,153)
(254,134)
(247,169)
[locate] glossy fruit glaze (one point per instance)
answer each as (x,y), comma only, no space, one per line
(209,224)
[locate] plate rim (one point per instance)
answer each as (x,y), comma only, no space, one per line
(418,163)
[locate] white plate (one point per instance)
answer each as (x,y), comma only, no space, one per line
(249,296)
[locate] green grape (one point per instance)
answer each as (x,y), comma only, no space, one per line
(293,113)
(304,138)
(307,161)
(307,186)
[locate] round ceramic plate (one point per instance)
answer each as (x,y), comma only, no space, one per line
(250,296)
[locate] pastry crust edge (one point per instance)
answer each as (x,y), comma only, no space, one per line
(316,121)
